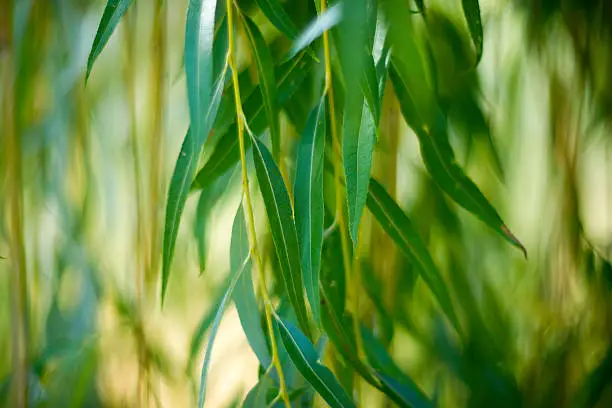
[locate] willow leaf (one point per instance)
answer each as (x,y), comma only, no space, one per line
(261,394)
(226,152)
(357,150)
(440,161)
(316,28)
(214,329)
(114,10)
(396,223)
(180,182)
(309,208)
(265,73)
(370,87)
(244,294)
(277,15)
(284,235)
(471,10)
(305,357)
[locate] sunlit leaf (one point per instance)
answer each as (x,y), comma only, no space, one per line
(273,10)
(267,83)
(316,28)
(215,328)
(244,293)
(309,209)
(396,223)
(357,150)
(114,10)
(471,10)
(305,357)
(284,235)
(180,183)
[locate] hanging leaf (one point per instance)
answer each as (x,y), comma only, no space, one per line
(180,183)
(226,152)
(357,151)
(396,223)
(471,10)
(284,235)
(267,83)
(261,394)
(244,294)
(309,208)
(315,29)
(215,328)
(305,357)
(114,10)
(440,161)
(277,15)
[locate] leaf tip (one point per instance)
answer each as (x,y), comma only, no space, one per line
(514,240)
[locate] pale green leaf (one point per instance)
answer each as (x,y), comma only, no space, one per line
(316,28)
(309,208)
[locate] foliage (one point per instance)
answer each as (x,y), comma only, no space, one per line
(383,152)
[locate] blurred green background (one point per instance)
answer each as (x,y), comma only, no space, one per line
(84,173)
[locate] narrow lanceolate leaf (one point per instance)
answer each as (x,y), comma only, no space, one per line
(244,294)
(284,235)
(303,354)
(370,87)
(277,15)
(471,10)
(226,153)
(215,328)
(357,150)
(316,28)
(199,34)
(267,83)
(440,161)
(309,209)
(114,10)
(181,182)
(396,223)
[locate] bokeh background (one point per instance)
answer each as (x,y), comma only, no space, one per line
(83,196)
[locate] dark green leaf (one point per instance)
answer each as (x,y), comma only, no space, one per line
(357,150)
(114,10)
(180,182)
(273,10)
(440,161)
(267,83)
(370,87)
(244,294)
(471,10)
(309,208)
(396,223)
(315,29)
(284,235)
(215,328)
(305,357)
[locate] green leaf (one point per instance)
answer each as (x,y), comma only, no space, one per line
(277,15)
(180,182)
(305,357)
(261,394)
(357,151)
(284,235)
(215,328)
(244,294)
(471,10)
(226,152)
(370,87)
(315,29)
(392,378)
(440,161)
(309,208)
(396,223)
(199,35)
(265,73)
(114,10)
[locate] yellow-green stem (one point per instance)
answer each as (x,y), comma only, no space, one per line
(249,205)
(338,169)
